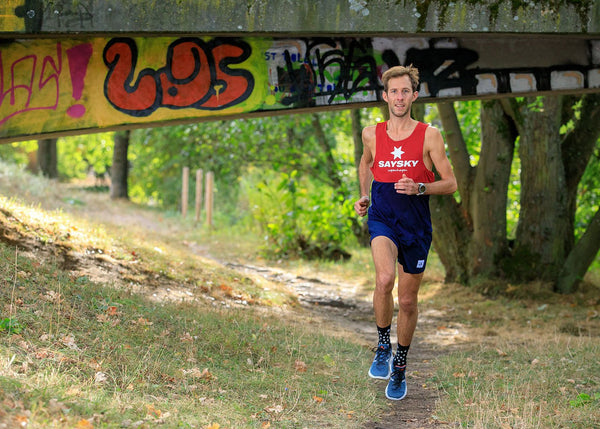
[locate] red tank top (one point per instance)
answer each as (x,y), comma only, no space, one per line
(394,158)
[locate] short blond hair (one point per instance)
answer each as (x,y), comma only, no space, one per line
(399,71)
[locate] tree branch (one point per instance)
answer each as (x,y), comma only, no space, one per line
(458,149)
(581,257)
(578,145)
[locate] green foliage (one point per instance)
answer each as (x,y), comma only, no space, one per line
(10,326)
(588,194)
(468,114)
(84,154)
(298,216)
(18,152)
(584,399)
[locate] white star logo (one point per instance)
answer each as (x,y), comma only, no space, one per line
(398,152)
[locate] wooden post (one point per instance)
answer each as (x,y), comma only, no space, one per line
(185,187)
(208,204)
(199,174)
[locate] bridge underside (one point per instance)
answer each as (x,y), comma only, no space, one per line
(90,67)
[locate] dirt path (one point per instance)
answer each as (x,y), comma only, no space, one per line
(336,303)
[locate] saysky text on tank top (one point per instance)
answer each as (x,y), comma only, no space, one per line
(394,158)
(407,215)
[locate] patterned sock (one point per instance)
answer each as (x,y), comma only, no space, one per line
(384,335)
(400,357)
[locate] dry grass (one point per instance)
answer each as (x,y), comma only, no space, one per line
(114,326)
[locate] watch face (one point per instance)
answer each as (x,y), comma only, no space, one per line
(421,188)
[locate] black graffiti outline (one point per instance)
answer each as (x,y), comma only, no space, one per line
(207,47)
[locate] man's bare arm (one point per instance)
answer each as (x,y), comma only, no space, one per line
(365,176)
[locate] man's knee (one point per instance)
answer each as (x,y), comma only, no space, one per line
(384,282)
(408,304)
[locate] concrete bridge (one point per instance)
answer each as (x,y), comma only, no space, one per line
(71,67)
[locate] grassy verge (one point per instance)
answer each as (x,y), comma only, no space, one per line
(117,348)
(520,362)
(74,351)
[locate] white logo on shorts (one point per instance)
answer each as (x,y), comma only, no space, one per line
(420,263)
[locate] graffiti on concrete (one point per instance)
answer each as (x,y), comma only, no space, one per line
(196,74)
(52,86)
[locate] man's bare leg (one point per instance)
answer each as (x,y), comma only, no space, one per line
(384,256)
(408,290)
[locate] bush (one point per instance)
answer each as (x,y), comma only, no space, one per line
(298,217)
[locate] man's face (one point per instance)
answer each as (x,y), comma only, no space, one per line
(399,96)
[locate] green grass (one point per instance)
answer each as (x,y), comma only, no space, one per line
(113,315)
(548,383)
(87,351)
(104,341)
(520,362)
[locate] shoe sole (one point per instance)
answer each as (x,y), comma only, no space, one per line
(378,377)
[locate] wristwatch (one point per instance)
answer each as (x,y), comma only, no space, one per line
(421,188)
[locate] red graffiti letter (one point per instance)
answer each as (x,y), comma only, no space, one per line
(120,55)
(186,79)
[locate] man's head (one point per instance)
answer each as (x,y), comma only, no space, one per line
(399,71)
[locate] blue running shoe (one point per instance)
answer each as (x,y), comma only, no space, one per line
(396,388)
(382,364)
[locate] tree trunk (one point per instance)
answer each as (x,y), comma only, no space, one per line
(489,192)
(330,163)
(357,139)
(470,236)
(542,233)
(47,159)
(580,258)
(120,166)
(451,235)
(452,226)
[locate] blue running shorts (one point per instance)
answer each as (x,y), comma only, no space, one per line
(412,254)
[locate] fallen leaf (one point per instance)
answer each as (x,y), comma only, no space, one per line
(317,399)
(196,373)
(143,322)
(100,378)
(274,409)
(84,424)
(186,338)
(103,318)
(212,426)
(22,421)
(300,366)
(69,341)
(152,411)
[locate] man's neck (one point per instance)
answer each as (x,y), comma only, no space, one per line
(401,123)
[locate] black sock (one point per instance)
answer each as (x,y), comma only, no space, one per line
(384,335)
(400,357)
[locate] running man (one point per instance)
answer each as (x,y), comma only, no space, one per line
(396,164)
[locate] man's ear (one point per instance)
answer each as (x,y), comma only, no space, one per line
(415,95)
(384,95)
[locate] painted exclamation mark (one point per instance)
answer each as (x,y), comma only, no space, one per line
(79,58)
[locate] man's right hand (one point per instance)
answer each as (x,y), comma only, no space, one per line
(361,207)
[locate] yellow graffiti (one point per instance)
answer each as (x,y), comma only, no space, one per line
(9,21)
(61,85)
